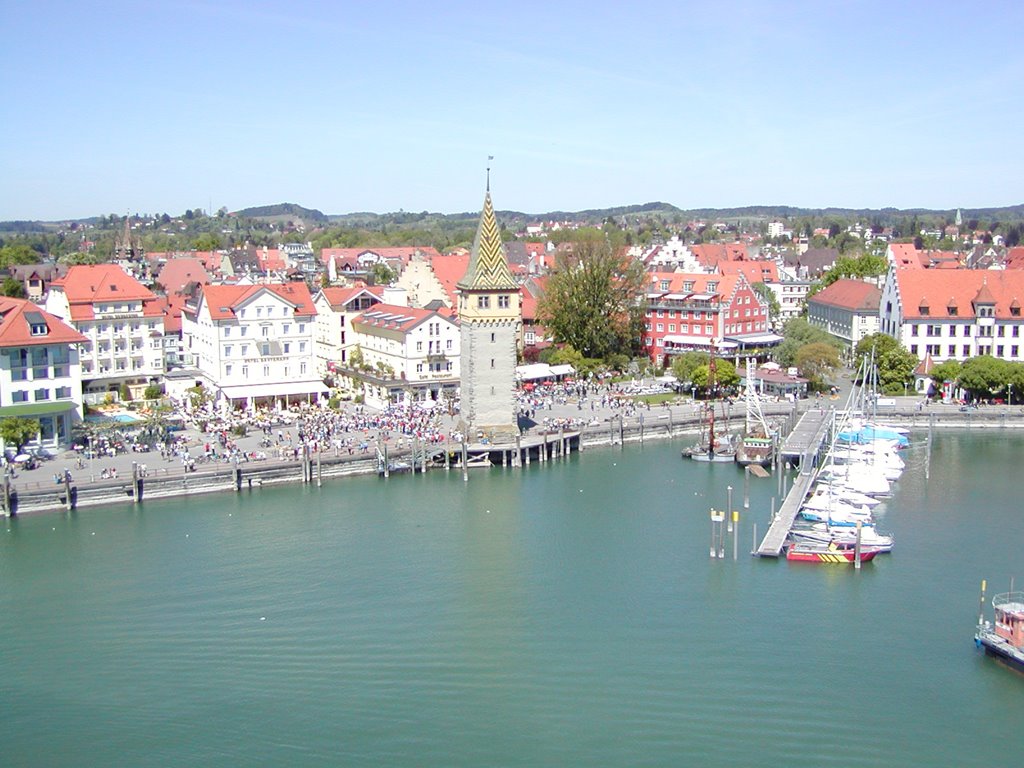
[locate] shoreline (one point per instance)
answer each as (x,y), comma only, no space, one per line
(164,482)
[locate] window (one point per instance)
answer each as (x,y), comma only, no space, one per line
(492,338)
(287,327)
(1016,331)
(967,350)
(952,350)
(687,285)
(245,371)
(661,313)
(448,344)
(227,351)
(419,346)
(503,302)
(1001,331)
(671,327)
(265,350)
(302,368)
(952,331)
(227,369)
(419,367)
(661,327)
(19,396)
(265,331)
(266,371)
(1013,351)
(483,302)
(302,327)
(41,394)
(492,362)
(287,347)
(999,350)
(245,330)
(302,346)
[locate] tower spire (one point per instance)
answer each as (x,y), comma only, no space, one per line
(488,265)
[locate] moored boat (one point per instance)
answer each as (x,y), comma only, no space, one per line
(810,552)
(1003,638)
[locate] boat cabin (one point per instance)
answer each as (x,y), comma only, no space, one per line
(1009,611)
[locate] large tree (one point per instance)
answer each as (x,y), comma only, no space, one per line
(983,375)
(594,299)
(685,364)
(894,363)
(725,377)
(798,333)
(816,362)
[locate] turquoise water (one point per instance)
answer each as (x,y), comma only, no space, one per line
(567,614)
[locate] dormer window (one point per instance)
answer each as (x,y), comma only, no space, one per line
(38,329)
(923,310)
(712,286)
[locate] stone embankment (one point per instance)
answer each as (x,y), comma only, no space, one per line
(643,425)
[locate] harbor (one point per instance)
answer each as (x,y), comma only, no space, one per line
(532,617)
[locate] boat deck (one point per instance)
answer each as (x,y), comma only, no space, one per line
(774,540)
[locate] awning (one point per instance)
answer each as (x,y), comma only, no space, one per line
(562,370)
(533,371)
(279,389)
(28,410)
(757,339)
(698,341)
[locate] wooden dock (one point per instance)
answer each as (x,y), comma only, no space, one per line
(804,446)
(807,435)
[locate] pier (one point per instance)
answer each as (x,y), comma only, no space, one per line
(803,446)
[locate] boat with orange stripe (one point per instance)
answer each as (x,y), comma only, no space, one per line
(812,552)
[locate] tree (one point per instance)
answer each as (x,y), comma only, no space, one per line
(19,253)
(865,265)
(206,242)
(13,288)
(983,375)
(16,431)
(816,362)
(382,274)
(594,299)
(796,334)
(943,372)
(685,364)
(895,364)
(725,377)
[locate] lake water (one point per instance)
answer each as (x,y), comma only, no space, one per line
(567,614)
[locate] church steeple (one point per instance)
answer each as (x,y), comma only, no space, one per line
(488,266)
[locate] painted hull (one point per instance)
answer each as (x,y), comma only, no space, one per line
(813,554)
(710,457)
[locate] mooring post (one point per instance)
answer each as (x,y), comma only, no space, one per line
(561,442)
(517,461)
(735,533)
(622,432)
(746,487)
(387,464)
(465,463)
(237,473)
(8,512)
(319,476)
(68,502)
(641,429)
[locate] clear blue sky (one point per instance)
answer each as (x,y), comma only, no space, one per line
(160,106)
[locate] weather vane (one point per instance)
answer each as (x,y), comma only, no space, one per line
(489,158)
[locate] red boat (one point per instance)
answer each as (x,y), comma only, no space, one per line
(817,553)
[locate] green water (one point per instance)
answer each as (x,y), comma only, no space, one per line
(567,614)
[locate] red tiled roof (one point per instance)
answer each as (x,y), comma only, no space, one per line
(854,295)
(905,255)
(394,317)
(936,288)
(754,271)
(224,300)
(449,270)
(403,254)
(726,284)
(87,284)
(1014,258)
(15,327)
(179,272)
(339,297)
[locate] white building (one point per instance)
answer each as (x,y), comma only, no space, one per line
(954,314)
(123,324)
(847,309)
(405,354)
(40,375)
(254,345)
(335,309)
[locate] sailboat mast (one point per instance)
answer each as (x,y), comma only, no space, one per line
(712,386)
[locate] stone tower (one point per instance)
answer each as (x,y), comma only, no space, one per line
(490,314)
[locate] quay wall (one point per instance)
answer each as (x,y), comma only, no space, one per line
(644,425)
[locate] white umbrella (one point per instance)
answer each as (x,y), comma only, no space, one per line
(22,457)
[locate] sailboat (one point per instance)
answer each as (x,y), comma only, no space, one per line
(712,448)
(758,441)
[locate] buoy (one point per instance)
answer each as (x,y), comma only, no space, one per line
(263,618)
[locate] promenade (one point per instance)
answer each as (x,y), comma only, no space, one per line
(102,479)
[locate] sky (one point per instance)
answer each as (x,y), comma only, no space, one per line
(157,106)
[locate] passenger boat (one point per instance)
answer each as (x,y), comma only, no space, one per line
(1004,637)
(830,553)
